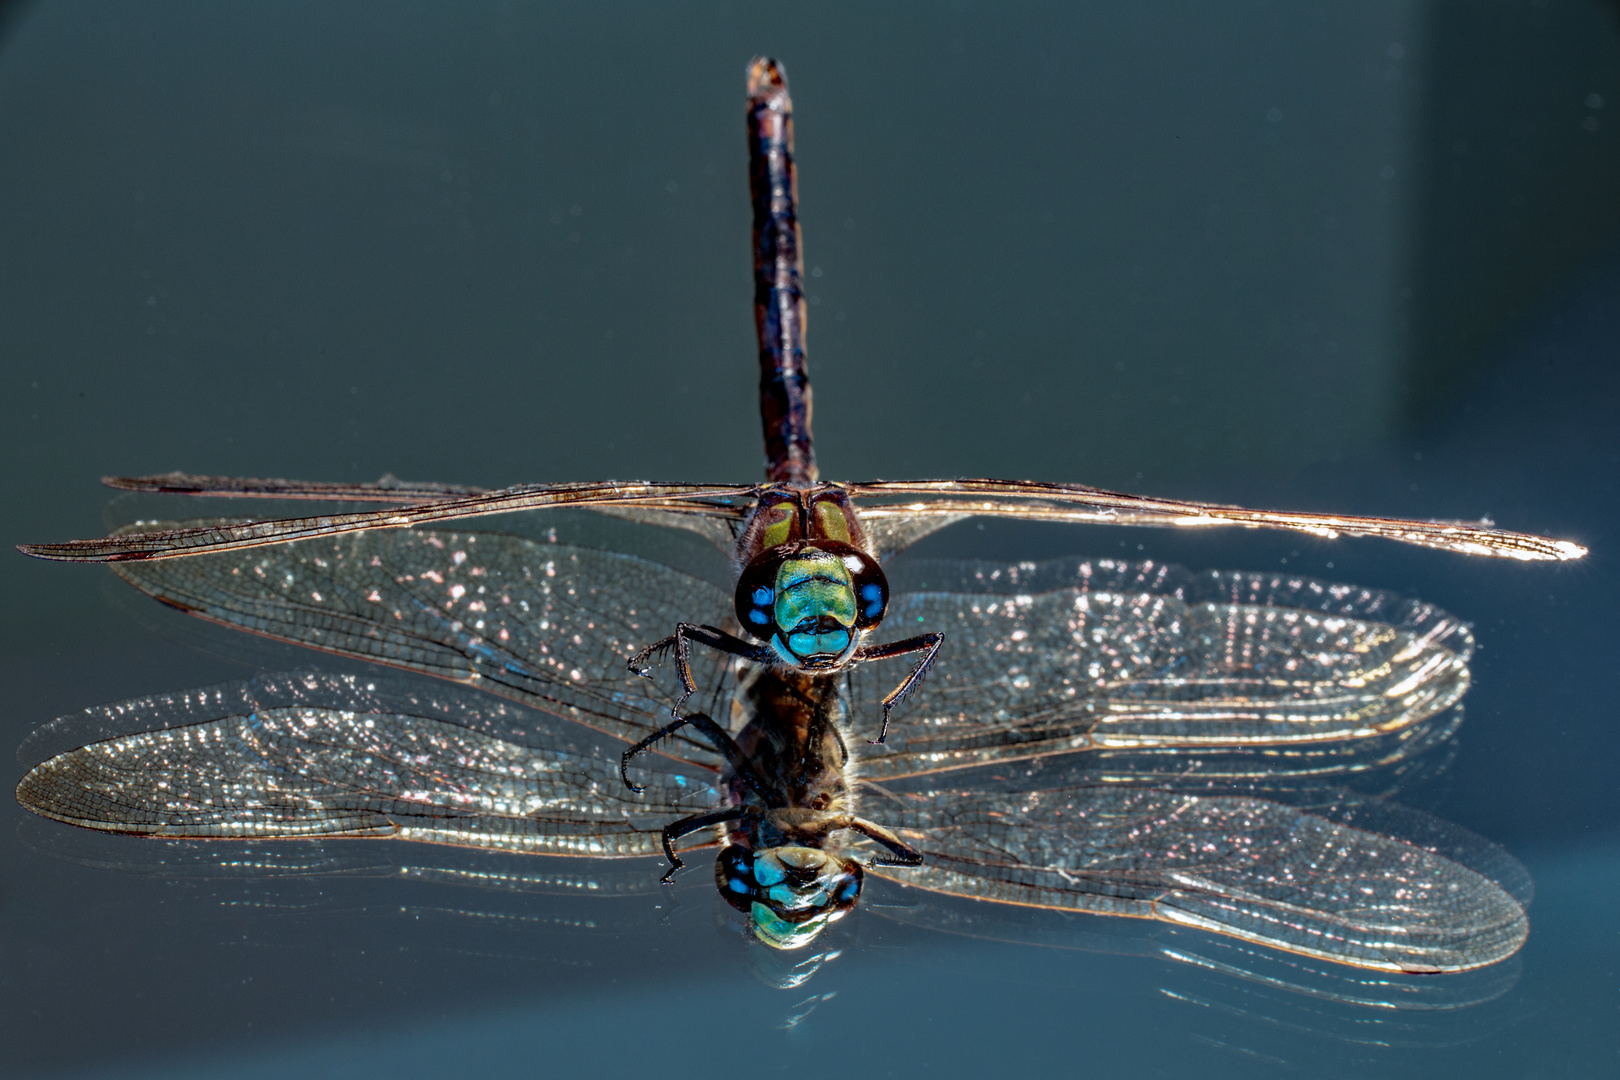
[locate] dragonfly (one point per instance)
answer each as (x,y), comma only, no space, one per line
(1185,810)
(1046,662)
(1204,706)
(810,586)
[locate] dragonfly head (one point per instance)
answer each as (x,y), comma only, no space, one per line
(812,601)
(790,893)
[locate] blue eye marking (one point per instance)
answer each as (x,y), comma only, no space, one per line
(874,609)
(763,618)
(762,597)
(871,592)
(737,885)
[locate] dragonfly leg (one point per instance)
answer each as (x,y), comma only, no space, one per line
(641,747)
(819,731)
(900,852)
(680,640)
(641,663)
(717,736)
(927,644)
(688,825)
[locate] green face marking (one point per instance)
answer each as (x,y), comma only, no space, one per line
(778,933)
(815,605)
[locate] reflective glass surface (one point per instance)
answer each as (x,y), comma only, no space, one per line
(1348,261)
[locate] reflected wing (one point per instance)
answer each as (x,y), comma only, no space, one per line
(1302,774)
(1078,503)
(274,771)
(1255,870)
(1301,992)
(1045,658)
(548,625)
(129,545)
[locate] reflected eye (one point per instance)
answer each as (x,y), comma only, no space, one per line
(734,877)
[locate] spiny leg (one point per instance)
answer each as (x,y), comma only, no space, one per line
(684,634)
(900,852)
(717,736)
(688,825)
(927,644)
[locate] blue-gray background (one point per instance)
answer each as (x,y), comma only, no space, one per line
(1359,257)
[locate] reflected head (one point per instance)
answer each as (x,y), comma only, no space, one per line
(790,893)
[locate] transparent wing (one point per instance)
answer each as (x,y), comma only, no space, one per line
(1076,502)
(1310,775)
(383,766)
(194,539)
(388,489)
(1046,658)
(715,520)
(1236,865)
(548,625)
(898,522)
(1221,976)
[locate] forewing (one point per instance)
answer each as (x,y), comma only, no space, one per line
(1047,658)
(715,519)
(262,770)
(1232,864)
(197,538)
(1079,503)
(549,625)
(389,489)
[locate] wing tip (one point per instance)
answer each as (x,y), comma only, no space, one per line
(42,551)
(71,552)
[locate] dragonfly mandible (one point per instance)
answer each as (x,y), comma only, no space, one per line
(1046,661)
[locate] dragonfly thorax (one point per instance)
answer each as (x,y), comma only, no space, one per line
(790,893)
(812,601)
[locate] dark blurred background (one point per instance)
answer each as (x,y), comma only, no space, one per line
(1357,257)
(1151,247)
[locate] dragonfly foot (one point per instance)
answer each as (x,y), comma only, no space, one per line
(883,732)
(624,770)
(645,744)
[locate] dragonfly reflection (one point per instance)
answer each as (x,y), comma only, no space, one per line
(1205,703)
(1044,660)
